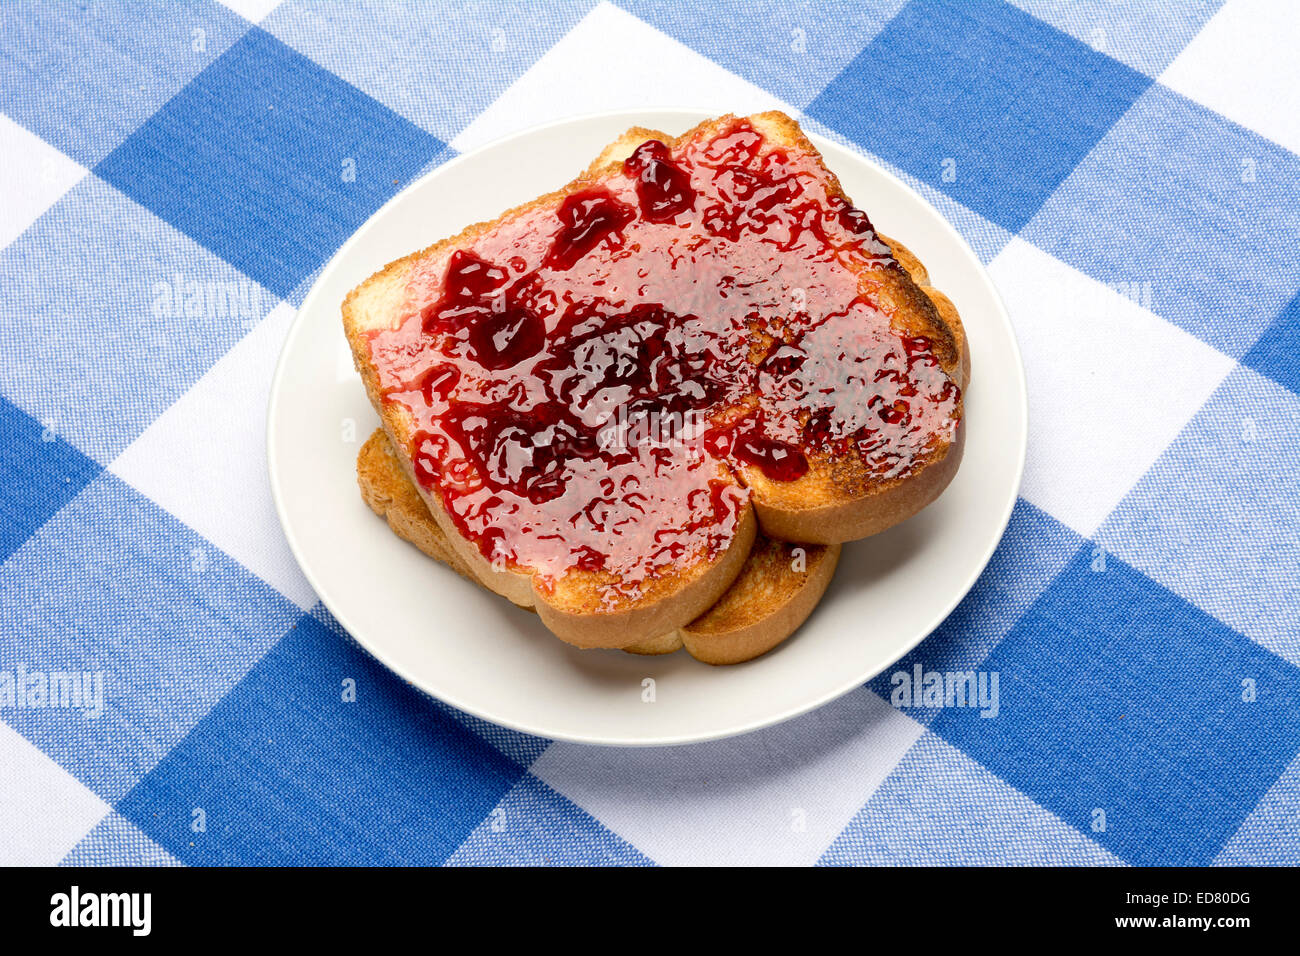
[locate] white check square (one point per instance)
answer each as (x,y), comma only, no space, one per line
(44,810)
(36,175)
(204,460)
(1243,65)
(1111,384)
(613,61)
(775,797)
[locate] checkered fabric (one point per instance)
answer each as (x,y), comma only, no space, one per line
(1127,171)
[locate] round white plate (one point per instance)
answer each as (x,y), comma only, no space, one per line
(479,653)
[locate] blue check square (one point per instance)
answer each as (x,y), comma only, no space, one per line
(39,474)
(1217,518)
(1276,353)
(84,76)
(112,315)
(268,160)
(987,103)
(320,756)
(1199,215)
(114,586)
(1134,716)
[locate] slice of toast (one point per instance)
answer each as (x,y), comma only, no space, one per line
(681,542)
(776,590)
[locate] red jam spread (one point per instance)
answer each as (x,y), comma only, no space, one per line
(586,379)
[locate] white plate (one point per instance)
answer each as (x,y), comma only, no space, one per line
(479,653)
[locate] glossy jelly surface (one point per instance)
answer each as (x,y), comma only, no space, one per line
(592,381)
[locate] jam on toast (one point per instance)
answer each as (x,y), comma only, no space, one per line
(720,282)
(776,590)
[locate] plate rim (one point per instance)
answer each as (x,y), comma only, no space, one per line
(632,116)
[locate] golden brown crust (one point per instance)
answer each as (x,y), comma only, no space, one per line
(833,518)
(668,643)
(398,502)
(788,581)
(836,501)
(945,311)
(694,588)
(773,594)
(621,148)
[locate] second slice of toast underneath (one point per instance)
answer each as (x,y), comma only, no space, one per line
(778,586)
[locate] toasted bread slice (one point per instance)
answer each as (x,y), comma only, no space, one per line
(843,494)
(776,590)
(576,616)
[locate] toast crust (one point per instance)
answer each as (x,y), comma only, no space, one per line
(730,632)
(775,592)
(834,502)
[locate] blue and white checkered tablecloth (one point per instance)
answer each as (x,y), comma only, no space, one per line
(1128,172)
